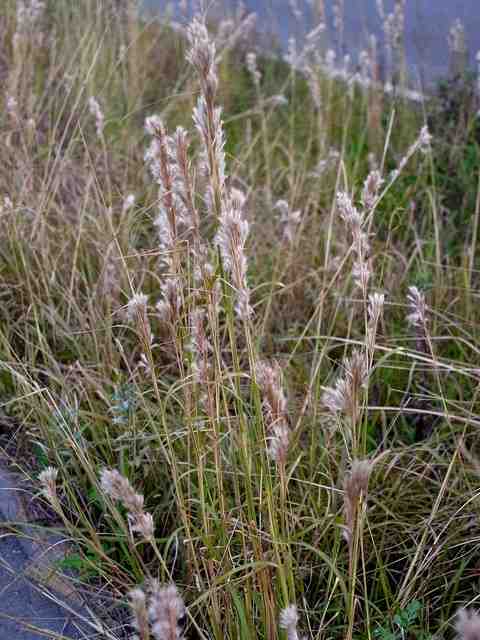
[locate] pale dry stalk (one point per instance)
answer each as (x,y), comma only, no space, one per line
(355,504)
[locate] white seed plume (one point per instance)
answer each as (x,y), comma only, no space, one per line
(456,38)
(422,144)
(153,124)
(251,61)
(128,202)
(168,308)
(314,85)
(209,125)
(48,480)
(289,621)
(138,605)
(119,489)
(206,116)
(11,106)
(200,347)
(268,376)
(418,310)
(371,188)
(292,57)
(343,396)
(202,50)
(231,237)
(278,442)
(278,100)
(97,113)
(295,9)
(28,14)
(467,624)
(142,523)
(374,311)
(166,610)
(361,269)
(136,305)
(290,219)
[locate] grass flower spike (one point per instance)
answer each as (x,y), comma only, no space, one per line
(48,480)
(289,621)
(166,611)
(467,624)
(119,489)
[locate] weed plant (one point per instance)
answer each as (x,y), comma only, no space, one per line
(238,329)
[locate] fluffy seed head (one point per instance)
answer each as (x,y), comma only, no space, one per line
(97,113)
(371,187)
(418,309)
(269,378)
(290,219)
(117,487)
(251,61)
(231,238)
(128,202)
(375,306)
(467,624)
(153,124)
(138,606)
(48,480)
(356,487)
(357,482)
(168,308)
(348,212)
(136,305)
(374,310)
(142,523)
(28,14)
(200,347)
(456,37)
(279,442)
(289,621)
(202,51)
(343,397)
(424,139)
(166,611)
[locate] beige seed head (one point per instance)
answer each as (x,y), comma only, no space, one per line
(48,480)
(166,610)
(467,624)
(140,614)
(289,621)
(117,487)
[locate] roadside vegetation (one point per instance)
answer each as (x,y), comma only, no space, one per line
(239,325)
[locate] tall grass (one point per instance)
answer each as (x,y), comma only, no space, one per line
(234,337)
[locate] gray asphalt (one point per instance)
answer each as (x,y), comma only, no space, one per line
(26,613)
(23,608)
(427,24)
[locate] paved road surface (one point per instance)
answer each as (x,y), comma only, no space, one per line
(23,607)
(427,24)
